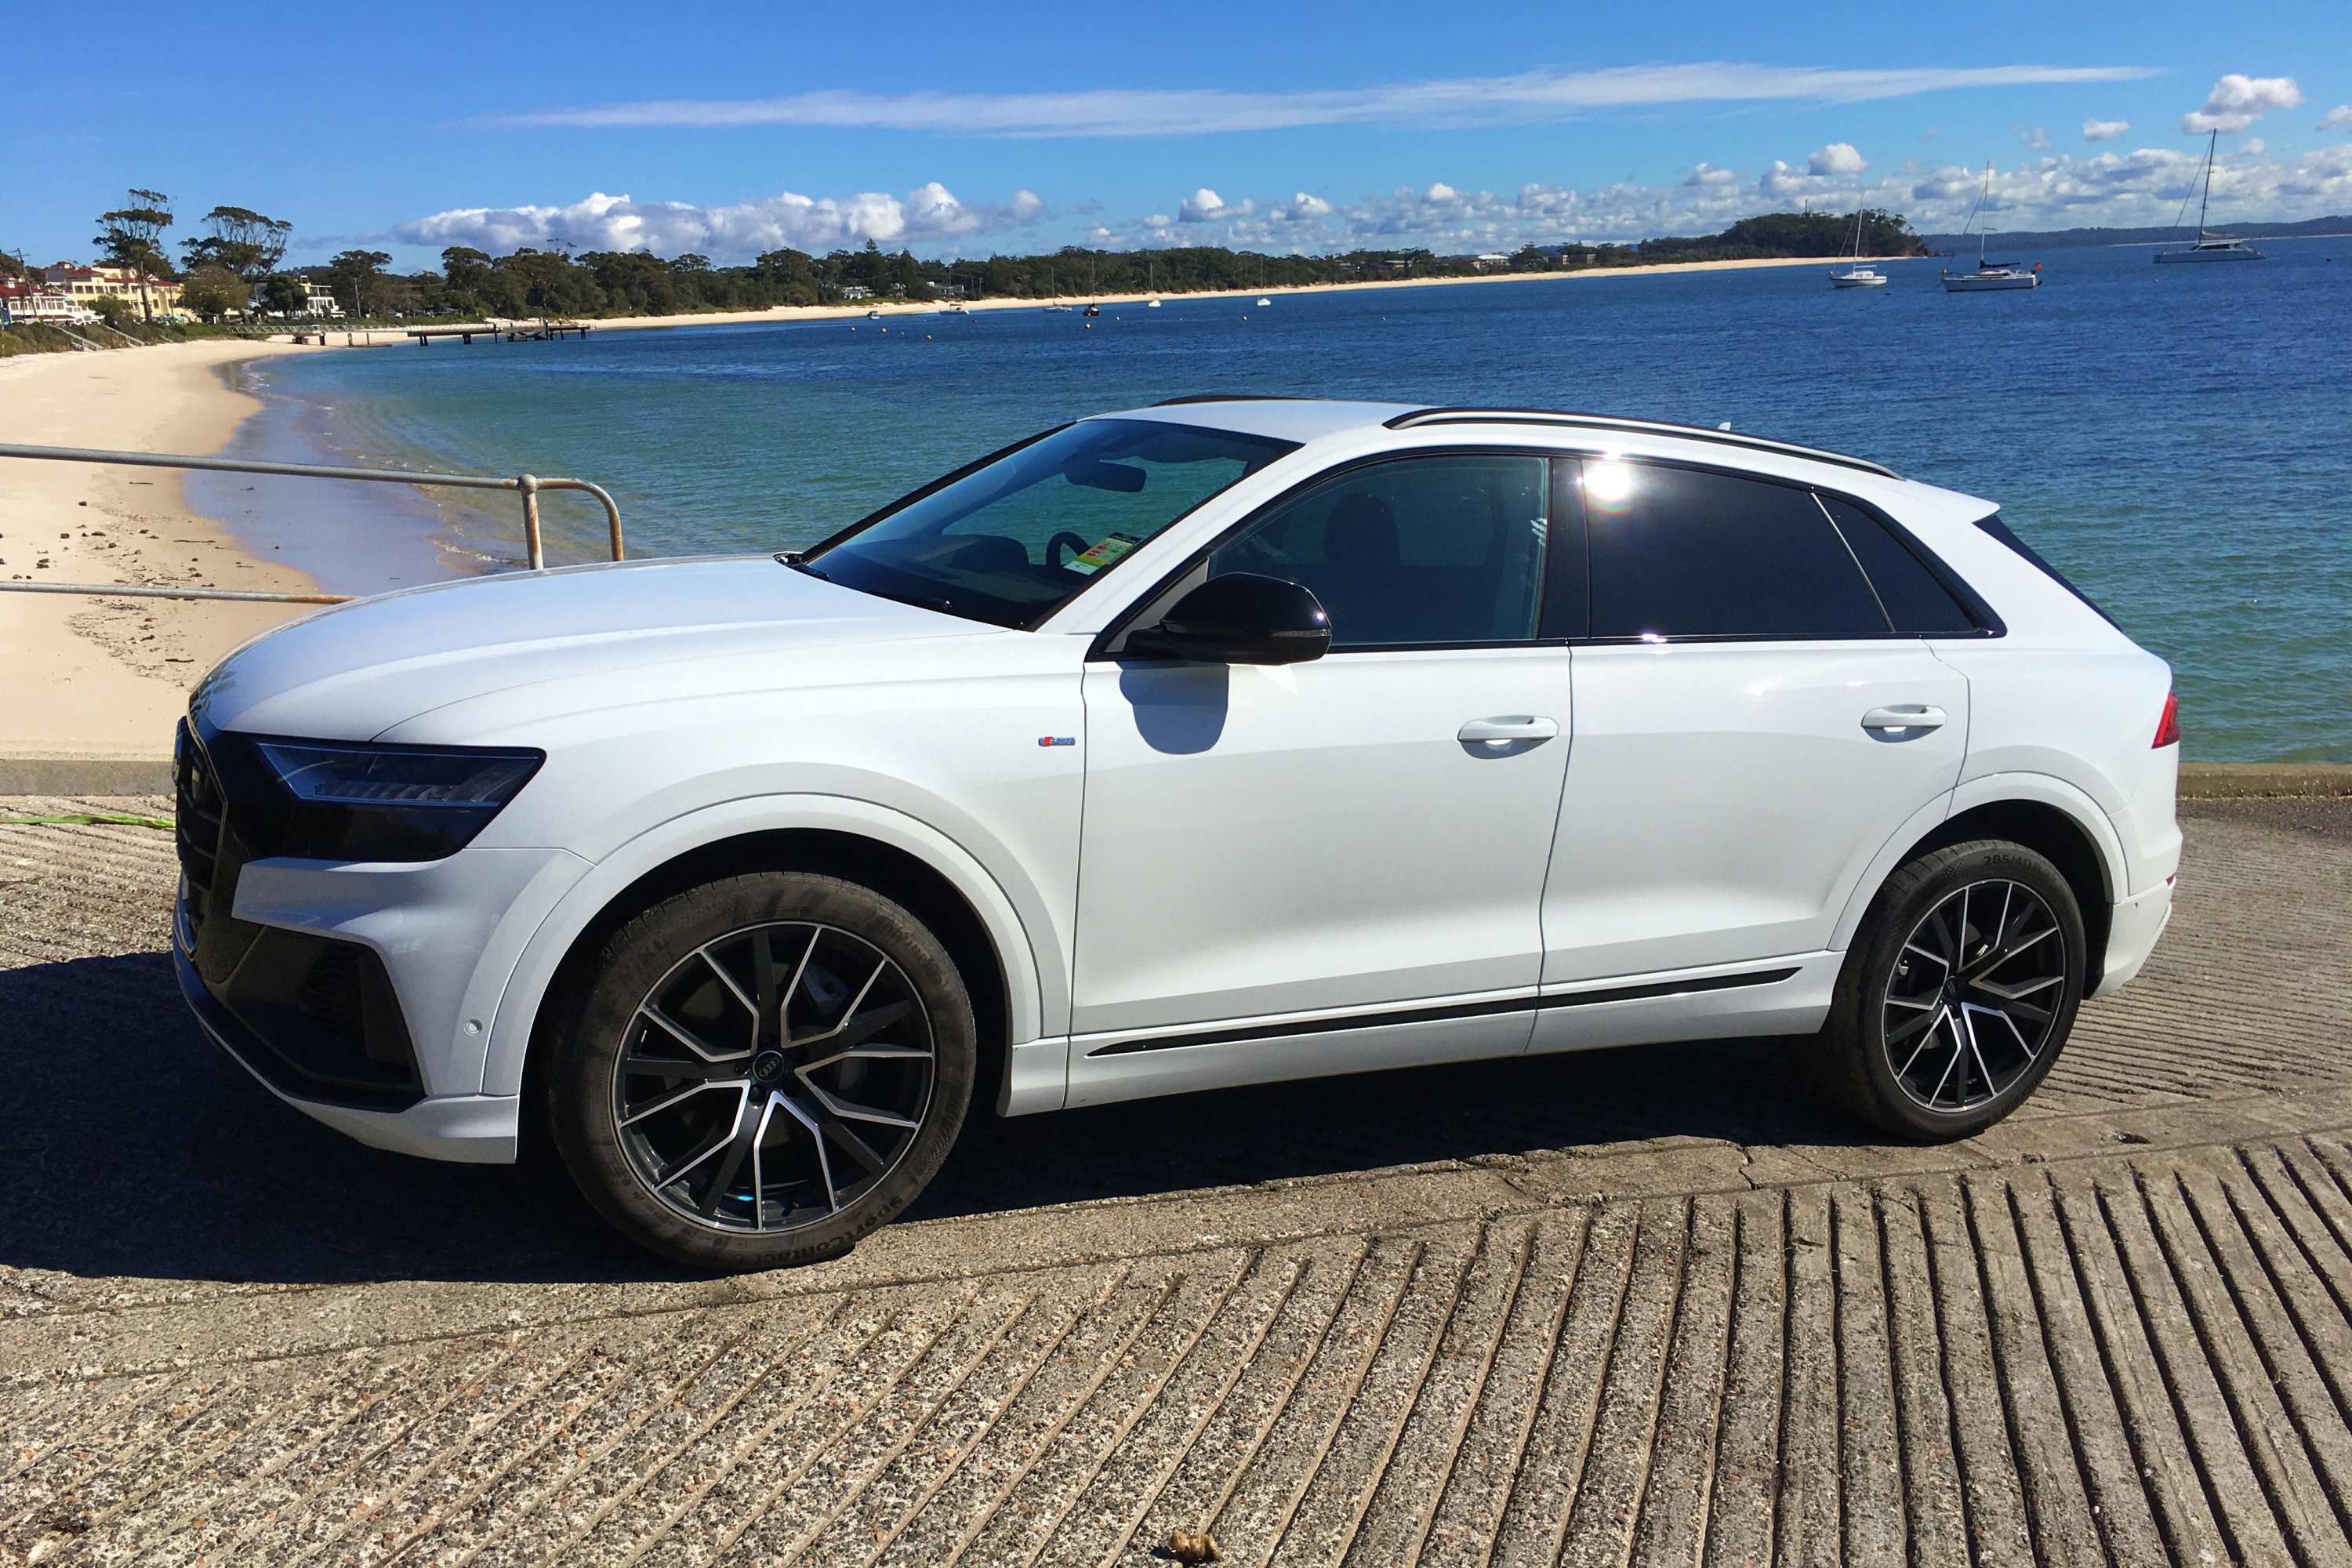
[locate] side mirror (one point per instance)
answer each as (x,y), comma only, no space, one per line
(1239,618)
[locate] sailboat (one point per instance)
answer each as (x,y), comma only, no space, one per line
(1153,303)
(1261,281)
(1989,275)
(1857,276)
(2210,247)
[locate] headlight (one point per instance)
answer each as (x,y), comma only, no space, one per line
(390,803)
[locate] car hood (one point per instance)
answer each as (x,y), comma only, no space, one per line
(352,672)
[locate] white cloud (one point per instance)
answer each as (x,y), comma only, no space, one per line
(1706,175)
(1204,205)
(1460,101)
(1837,158)
(2338,119)
(1301,208)
(928,214)
(2237,102)
(2033,137)
(2104,130)
(2058,191)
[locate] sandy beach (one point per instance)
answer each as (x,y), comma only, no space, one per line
(81,677)
(107,678)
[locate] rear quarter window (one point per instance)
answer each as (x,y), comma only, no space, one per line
(1916,603)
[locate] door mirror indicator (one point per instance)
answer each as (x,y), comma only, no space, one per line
(1239,618)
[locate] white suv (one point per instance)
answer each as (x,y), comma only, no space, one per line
(1217,743)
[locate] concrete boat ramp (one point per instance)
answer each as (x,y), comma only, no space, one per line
(1646,1307)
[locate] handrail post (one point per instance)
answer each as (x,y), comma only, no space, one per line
(529,485)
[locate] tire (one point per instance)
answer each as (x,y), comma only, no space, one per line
(1996,1012)
(757,1072)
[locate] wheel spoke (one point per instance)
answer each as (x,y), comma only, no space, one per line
(1926,1041)
(1934,1093)
(671,1176)
(816,1136)
(792,987)
(1968,1023)
(679,1098)
(858,1148)
(759,1179)
(685,1037)
(741,1138)
(727,980)
(2021,989)
(727,1071)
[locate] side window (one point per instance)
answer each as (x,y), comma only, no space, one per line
(1421,550)
(1916,603)
(1677,553)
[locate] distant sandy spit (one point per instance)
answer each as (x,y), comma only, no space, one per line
(888,311)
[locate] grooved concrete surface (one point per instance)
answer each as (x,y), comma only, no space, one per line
(1643,1306)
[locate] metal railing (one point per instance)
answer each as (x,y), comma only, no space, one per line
(527,486)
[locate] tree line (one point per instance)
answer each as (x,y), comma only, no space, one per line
(234,265)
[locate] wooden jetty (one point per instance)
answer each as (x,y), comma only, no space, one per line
(512,331)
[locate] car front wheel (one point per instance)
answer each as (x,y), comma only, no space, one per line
(1959,995)
(761,1071)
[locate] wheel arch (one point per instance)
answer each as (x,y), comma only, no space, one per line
(903,859)
(2046,815)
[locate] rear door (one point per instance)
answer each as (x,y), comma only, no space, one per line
(1753,721)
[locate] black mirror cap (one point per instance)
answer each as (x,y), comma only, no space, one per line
(1242,617)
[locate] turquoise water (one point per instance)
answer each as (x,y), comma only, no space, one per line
(2174,438)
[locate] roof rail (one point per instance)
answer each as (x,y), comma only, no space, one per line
(1421,417)
(1228,398)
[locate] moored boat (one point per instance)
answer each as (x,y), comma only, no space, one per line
(1991,277)
(2210,247)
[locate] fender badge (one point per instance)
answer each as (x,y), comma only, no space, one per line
(1057,740)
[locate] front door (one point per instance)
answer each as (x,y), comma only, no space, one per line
(1359,834)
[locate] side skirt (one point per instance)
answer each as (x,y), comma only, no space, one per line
(1787,995)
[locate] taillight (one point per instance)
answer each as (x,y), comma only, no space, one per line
(2168,729)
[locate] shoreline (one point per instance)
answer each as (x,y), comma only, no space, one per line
(95,677)
(789,313)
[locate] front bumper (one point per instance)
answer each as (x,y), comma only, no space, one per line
(365,994)
(473,1128)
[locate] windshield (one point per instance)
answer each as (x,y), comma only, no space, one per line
(1014,540)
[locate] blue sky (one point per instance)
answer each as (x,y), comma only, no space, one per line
(967,130)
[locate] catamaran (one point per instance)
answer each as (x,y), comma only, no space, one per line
(2210,247)
(1857,276)
(1989,275)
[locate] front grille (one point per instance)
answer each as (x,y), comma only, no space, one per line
(199,814)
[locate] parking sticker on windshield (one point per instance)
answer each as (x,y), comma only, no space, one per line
(1105,551)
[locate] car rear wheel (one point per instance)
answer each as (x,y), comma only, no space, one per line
(761,1071)
(1959,995)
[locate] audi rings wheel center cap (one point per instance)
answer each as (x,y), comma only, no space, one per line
(767,1066)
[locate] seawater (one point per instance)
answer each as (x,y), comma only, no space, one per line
(2174,439)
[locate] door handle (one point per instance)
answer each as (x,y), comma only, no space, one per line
(1504,730)
(1918,716)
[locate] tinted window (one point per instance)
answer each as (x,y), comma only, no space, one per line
(1423,550)
(1677,553)
(1914,601)
(1013,539)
